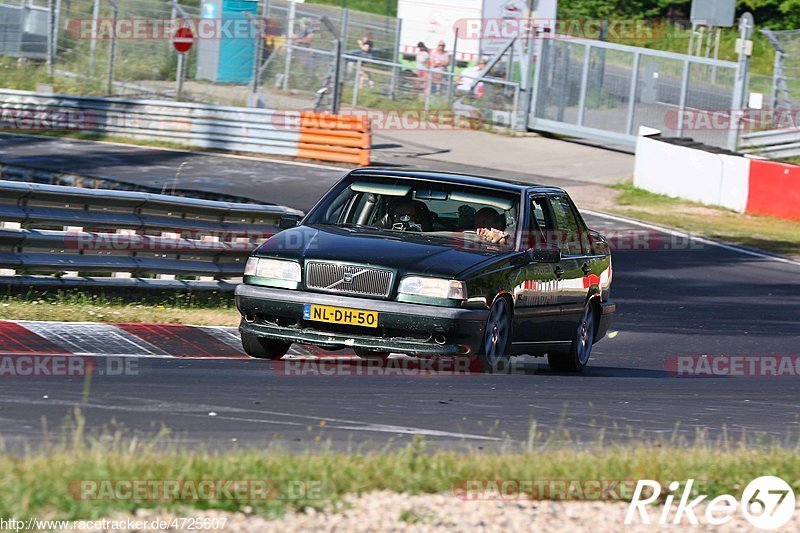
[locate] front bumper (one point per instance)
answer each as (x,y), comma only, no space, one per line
(407,328)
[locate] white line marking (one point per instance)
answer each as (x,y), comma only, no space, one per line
(698,238)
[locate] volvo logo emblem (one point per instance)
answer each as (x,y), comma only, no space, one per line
(347,278)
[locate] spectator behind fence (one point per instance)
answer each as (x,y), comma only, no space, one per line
(365,45)
(440,60)
(366,48)
(303,33)
(469,77)
(423,63)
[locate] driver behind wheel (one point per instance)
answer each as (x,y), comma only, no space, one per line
(417,213)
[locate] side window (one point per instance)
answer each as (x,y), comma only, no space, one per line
(540,223)
(568,230)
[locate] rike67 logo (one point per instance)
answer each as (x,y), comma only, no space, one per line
(767,502)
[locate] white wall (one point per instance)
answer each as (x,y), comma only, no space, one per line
(691,174)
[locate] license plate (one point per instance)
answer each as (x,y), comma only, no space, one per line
(340,315)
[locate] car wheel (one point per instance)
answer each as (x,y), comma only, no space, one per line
(497,339)
(366,354)
(261,348)
(581,349)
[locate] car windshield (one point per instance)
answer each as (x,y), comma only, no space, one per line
(460,214)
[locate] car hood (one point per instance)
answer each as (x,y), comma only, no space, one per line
(406,253)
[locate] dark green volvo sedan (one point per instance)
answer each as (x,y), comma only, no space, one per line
(432,264)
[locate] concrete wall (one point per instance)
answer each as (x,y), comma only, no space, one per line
(745,185)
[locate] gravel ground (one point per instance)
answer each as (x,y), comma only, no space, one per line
(386,511)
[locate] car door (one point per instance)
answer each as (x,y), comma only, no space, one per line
(537,306)
(576,261)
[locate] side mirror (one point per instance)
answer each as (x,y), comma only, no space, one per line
(544,255)
(289,221)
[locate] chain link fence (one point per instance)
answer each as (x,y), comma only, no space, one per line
(283,56)
(593,86)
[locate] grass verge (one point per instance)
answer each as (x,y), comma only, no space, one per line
(45,482)
(765,233)
(203,309)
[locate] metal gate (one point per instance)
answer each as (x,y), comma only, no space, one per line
(604,91)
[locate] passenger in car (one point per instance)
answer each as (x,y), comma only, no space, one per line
(490,226)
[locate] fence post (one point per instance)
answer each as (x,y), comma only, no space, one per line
(93,42)
(337,65)
(290,40)
(396,58)
(51,35)
(526,88)
(637,57)
(682,100)
(357,83)
(344,33)
(452,73)
(179,76)
(584,84)
(428,77)
(112,50)
(257,58)
(740,86)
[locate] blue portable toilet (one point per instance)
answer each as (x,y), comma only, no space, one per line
(228,56)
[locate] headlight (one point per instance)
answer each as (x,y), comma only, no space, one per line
(433,287)
(273,268)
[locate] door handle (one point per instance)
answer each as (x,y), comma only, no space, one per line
(558,272)
(586,269)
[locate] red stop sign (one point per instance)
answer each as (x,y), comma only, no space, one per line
(183,39)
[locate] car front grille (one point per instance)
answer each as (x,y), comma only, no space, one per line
(349,279)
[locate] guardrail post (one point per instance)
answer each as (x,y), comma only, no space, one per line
(72,273)
(13,226)
(127,232)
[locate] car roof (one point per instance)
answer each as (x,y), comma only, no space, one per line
(456,177)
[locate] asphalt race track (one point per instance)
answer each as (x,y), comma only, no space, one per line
(674,298)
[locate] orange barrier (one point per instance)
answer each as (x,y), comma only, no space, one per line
(340,138)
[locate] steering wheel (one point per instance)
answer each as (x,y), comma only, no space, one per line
(406,224)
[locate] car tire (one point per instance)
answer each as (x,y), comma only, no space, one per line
(262,348)
(577,357)
(493,351)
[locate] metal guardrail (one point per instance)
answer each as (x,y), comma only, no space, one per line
(237,129)
(774,144)
(31,174)
(96,237)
